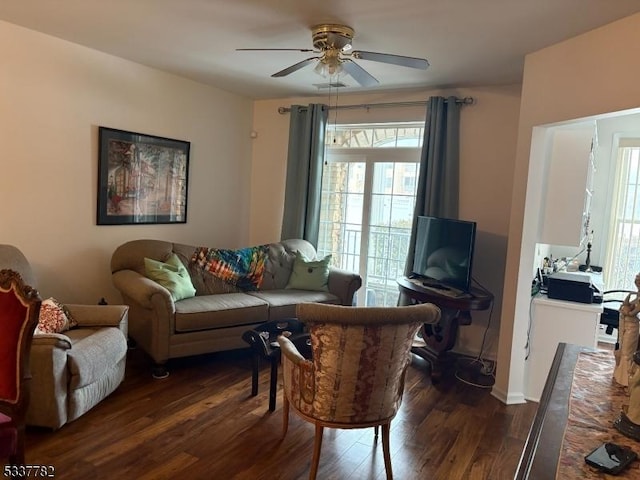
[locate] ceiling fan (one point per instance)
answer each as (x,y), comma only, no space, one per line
(332,45)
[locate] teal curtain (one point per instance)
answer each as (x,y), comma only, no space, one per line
(439,179)
(301,218)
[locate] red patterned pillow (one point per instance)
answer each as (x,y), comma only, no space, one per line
(54,317)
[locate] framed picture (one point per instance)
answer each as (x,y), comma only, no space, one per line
(141,178)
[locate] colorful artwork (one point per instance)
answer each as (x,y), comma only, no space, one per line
(142,179)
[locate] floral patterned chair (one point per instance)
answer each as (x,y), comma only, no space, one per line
(356,376)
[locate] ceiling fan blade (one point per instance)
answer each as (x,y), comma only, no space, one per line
(358,73)
(275,50)
(294,68)
(401,60)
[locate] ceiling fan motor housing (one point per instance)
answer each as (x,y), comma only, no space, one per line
(330,36)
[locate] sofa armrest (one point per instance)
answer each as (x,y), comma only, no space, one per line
(298,374)
(49,380)
(344,284)
(289,350)
(151,312)
(141,289)
(51,340)
(100,315)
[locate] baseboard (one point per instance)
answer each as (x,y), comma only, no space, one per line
(508,398)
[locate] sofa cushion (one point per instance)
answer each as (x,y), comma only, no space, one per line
(205,312)
(283,302)
(172,275)
(131,255)
(280,258)
(309,274)
(204,283)
(54,317)
(207,284)
(94,352)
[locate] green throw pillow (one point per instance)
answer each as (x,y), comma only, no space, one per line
(310,274)
(172,275)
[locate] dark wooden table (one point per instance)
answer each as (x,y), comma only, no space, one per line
(263,343)
(539,460)
(441,337)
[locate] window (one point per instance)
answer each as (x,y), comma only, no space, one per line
(623,251)
(368,197)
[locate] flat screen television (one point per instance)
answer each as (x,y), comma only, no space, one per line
(443,254)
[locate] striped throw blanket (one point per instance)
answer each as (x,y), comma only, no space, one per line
(243,268)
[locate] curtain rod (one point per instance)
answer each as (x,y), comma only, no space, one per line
(461,101)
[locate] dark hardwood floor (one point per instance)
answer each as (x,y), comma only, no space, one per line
(202,423)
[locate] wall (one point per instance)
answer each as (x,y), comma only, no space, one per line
(487,147)
(588,75)
(609,129)
(53,96)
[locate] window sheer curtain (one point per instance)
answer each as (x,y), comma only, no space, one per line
(439,179)
(301,218)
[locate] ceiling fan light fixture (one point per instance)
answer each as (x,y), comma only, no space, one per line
(330,64)
(331,70)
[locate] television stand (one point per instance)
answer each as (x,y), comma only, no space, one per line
(456,310)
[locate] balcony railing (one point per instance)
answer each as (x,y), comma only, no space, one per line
(386,258)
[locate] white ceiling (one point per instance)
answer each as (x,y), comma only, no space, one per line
(467,42)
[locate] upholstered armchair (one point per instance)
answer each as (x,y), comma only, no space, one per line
(19,308)
(75,370)
(355,378)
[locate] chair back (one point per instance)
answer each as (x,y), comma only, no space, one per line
(611,302)
(360,356)
(13,259)
(19,310)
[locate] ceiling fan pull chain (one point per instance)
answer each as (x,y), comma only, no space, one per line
(335,117)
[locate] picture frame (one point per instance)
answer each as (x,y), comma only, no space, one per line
(142,179)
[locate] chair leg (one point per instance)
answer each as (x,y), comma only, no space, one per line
(285,415)
(317,446)
(18,457)
(376,429)
(273,383)
(386,429)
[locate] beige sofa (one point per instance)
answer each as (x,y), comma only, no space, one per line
(72,371)
(216,317)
